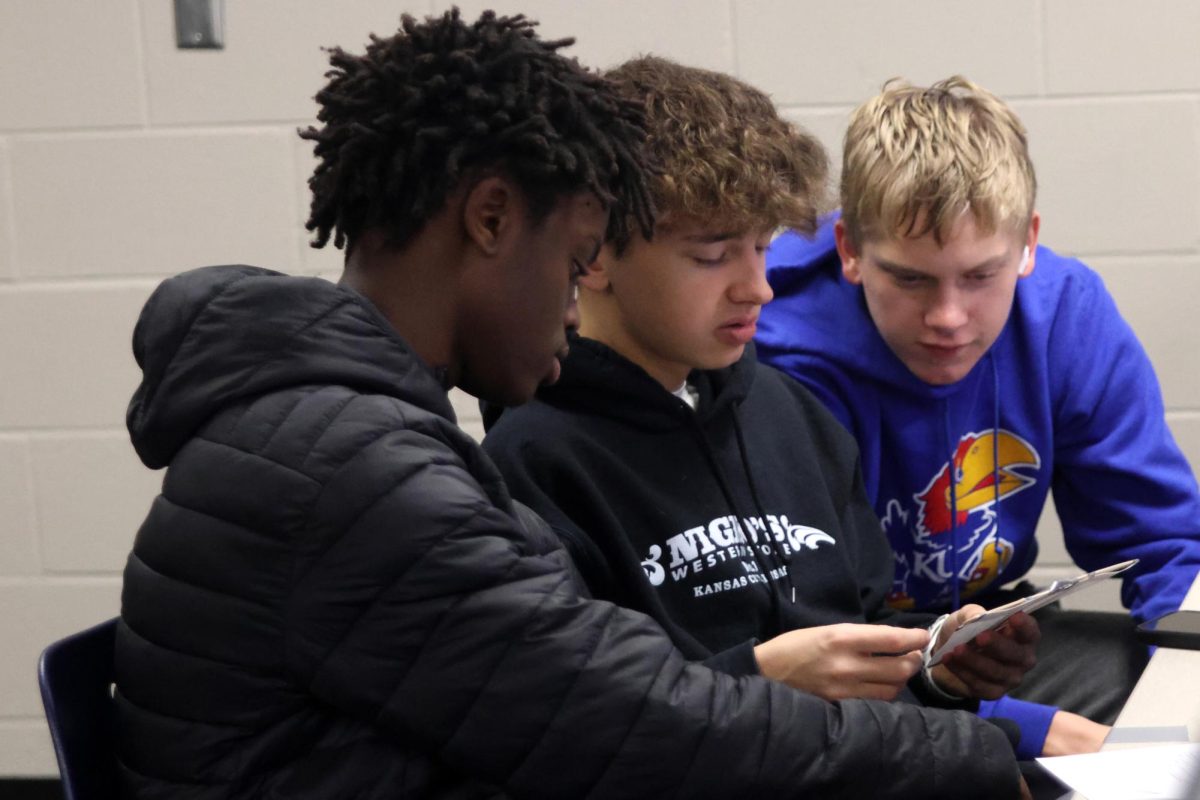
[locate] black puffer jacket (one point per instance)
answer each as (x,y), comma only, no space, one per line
(334,597)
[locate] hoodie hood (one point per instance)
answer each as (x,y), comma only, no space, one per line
(598,380)
(216,336)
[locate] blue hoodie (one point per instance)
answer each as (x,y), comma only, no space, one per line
(1066,399)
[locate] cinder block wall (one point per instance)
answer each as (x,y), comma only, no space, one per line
(124,160)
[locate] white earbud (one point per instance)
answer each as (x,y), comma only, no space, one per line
(1024,261)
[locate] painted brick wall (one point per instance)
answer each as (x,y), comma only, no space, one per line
(124,160)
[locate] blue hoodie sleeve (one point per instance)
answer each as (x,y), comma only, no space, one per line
(1032,718)
(1122,488)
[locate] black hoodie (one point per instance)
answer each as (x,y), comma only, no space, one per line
(334,597)
(737,521)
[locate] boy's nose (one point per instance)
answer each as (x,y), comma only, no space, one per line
(571,315)
(753,286)
(946,314)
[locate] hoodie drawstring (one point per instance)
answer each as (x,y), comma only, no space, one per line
(706,447)
(950,443)
(758,504)
(996,464)
(953,469)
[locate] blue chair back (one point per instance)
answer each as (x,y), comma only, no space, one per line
(76,676)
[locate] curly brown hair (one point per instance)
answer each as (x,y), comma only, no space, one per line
(725,153)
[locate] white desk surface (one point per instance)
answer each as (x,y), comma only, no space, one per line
(1168,692)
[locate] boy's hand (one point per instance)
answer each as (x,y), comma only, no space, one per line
(993,662)
(836,662)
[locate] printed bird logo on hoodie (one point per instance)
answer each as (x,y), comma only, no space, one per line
(954,526)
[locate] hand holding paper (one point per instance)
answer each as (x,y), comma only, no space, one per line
(840,661)
(995,664)
(990,620)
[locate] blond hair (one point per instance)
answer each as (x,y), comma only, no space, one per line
(915,159)
(724,153)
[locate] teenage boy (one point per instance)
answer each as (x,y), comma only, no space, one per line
(693,484)
(975,383)
(334,595)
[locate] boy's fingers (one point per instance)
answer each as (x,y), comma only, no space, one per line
(892,670)
(885,639)
(985,677)
(1002,649)
(1022,628)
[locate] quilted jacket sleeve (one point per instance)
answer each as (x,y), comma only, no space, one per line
(434,613)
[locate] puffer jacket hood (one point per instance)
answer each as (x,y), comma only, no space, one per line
(214,336)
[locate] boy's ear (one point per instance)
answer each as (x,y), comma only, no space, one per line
(490,213)
(1031,240)
(596,276)
(847,252)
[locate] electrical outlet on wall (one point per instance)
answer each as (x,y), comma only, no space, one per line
(200,24)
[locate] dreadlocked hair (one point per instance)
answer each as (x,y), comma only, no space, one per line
(442,100)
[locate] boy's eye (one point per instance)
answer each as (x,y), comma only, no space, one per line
(709,259)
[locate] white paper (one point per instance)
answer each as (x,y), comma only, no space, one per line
(1159,772)
(998,616)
